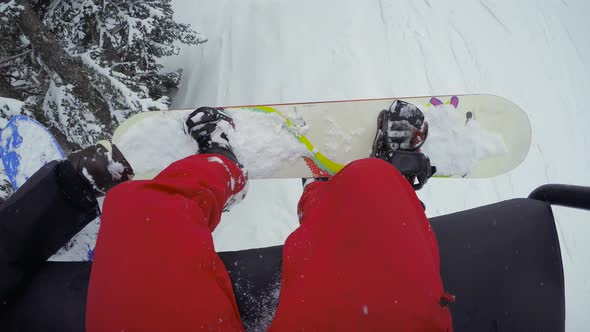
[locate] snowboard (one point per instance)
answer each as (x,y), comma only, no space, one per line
(25,146)
(470,136)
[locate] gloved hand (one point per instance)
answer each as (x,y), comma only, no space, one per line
(103,168)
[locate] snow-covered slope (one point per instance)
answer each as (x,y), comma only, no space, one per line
(532,52)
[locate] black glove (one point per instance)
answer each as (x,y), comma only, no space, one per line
(102,168)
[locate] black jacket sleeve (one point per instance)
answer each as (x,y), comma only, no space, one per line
(38,219)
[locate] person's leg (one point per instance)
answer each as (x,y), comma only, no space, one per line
(54,204)
(48,209)
(155,267)
(364,257)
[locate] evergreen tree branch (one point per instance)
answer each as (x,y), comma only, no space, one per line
(6,90)
(69,70)
(14,57)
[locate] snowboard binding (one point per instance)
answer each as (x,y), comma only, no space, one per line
(209,126)
(401,131)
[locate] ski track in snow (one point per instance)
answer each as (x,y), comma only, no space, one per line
(532,52)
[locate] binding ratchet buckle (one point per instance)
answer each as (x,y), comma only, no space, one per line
(414,166)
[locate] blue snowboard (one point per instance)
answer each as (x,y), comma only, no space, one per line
(25,146)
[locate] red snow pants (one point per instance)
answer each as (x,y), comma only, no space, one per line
(364,257)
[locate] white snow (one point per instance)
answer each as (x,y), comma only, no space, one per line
(455,148)
(4,7)
(261,143)
(55,105)
(116,169)
(144,151)
(8,108)
(262,152)
(131,98)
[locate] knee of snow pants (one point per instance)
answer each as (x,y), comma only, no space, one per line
(155,267)
(363,258)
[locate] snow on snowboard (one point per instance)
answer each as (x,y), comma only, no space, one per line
(471,136)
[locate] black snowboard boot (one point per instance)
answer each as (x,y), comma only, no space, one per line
(209,126)
(103,165)
(401,131)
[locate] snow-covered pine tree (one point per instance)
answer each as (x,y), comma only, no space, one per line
(82,66)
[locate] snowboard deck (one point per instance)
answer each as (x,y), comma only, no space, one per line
(470,136)
(25,146)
